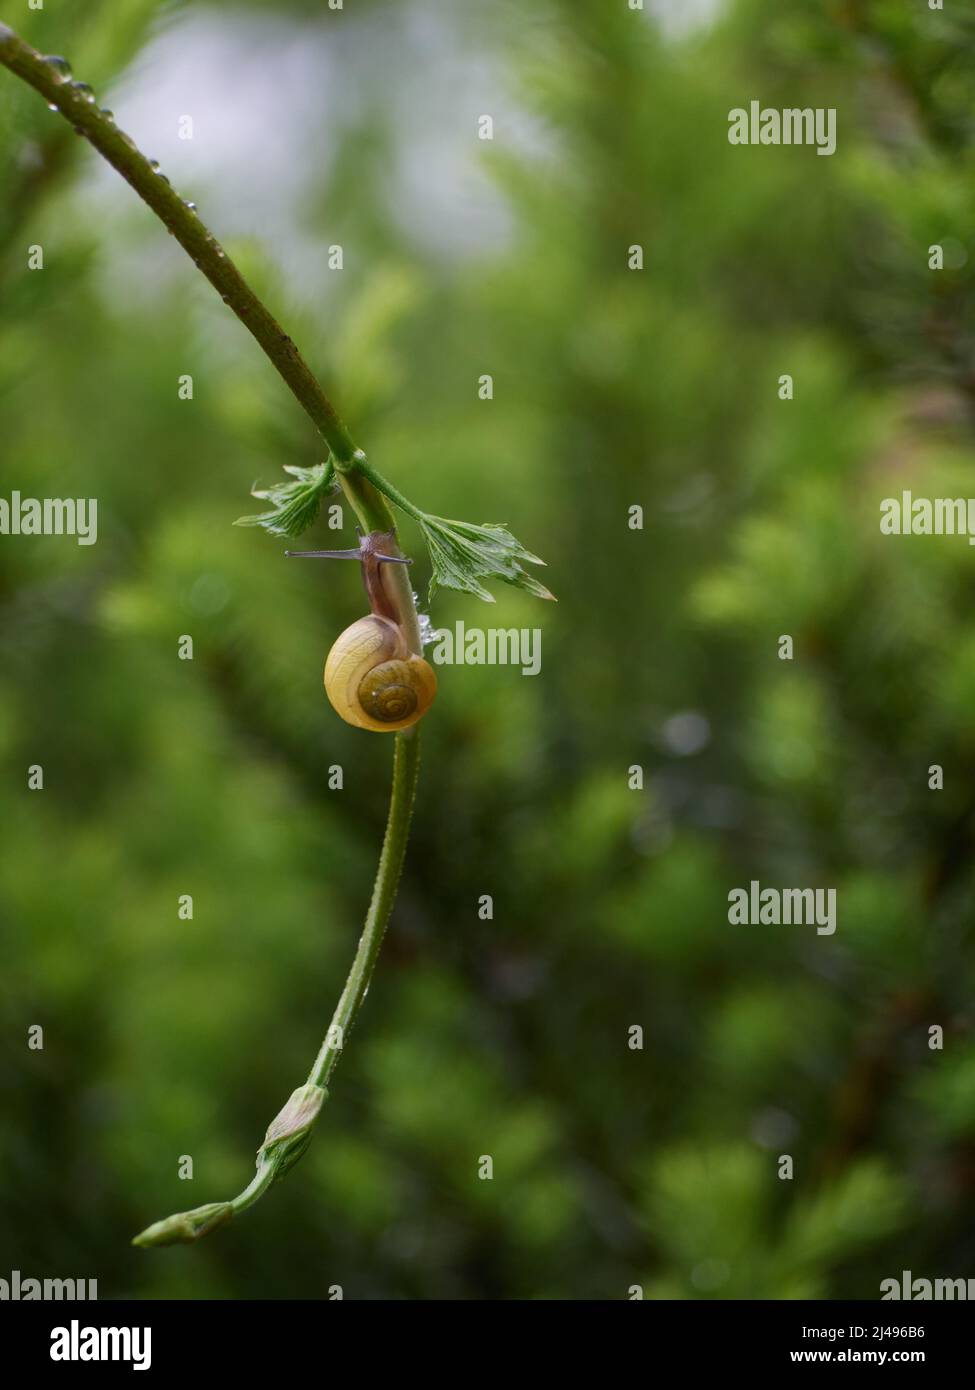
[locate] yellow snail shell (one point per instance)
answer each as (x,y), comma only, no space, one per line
(374,681)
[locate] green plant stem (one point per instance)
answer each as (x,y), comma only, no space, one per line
(288,1134)
(406,764)
(291,1130)
(384,486)
(198,243)
(211,260)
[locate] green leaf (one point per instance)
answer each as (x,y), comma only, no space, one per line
(295,505)
(463,554)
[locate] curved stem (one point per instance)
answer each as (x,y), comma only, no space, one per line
(76,104)
(209,256)
(406,764)
(289,1133)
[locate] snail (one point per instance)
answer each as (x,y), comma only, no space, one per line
(372,677)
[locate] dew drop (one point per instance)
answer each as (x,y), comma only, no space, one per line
(191,206)
(428,633)
(83,90)
(59,65)
(154,165)
(109,115)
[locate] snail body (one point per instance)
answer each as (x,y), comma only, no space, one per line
(375,677)
(374,681)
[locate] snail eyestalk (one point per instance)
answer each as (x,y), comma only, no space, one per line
(321,554)
(343,555)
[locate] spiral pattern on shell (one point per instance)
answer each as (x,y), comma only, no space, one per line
(386,692)
(374,681)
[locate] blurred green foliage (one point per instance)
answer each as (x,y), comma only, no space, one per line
(613,1167)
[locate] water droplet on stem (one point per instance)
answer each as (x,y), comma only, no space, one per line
(59,66)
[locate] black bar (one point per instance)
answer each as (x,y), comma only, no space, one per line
(278,1338)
